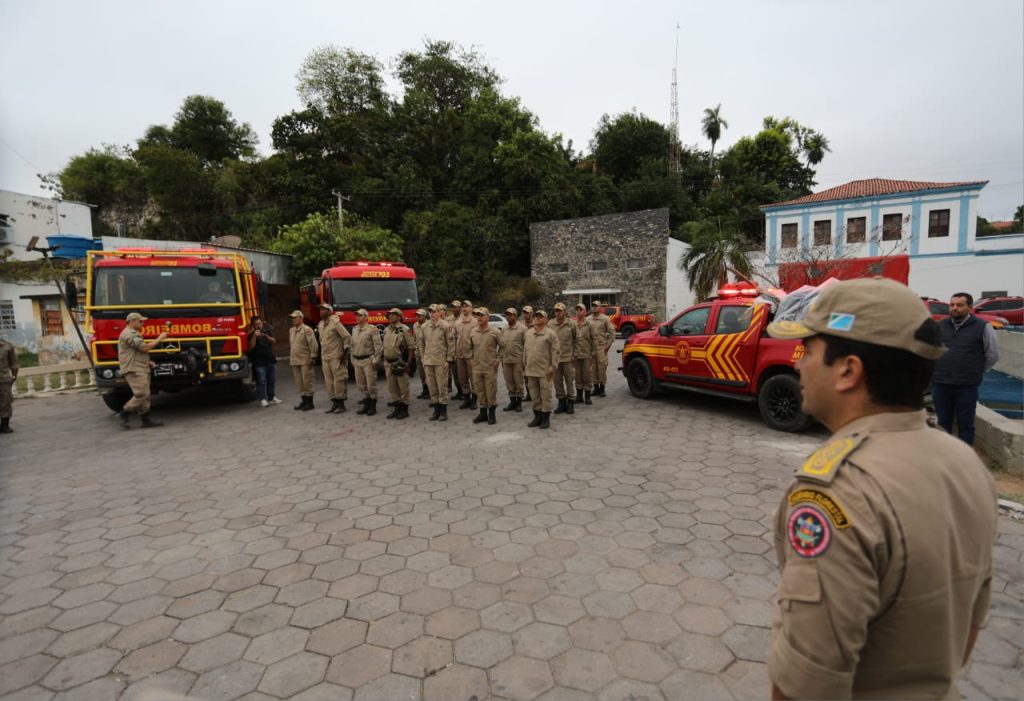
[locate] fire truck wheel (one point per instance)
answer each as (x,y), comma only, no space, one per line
(627,330)
(244,391)
(116,400)
(779,402)
(640,379)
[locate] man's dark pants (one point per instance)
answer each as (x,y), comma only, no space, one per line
(956,402)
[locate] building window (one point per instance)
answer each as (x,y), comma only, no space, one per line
(823,232)
(559,267)
(789,235)
(51,318)
(856,230)
(596,266)
(892,227)
(938,223)
(6,315)
(635,263)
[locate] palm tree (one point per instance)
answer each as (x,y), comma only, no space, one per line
(815,145)
(714,253)
(713,124)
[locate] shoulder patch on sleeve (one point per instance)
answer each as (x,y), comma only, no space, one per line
(827,504)
(823,464)
(808,531)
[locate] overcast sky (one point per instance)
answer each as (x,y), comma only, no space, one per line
(906,89)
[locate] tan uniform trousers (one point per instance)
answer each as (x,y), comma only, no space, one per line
(464,374)
(366,379)
(564,380)
(303,376)
(336,378)
(6,399)
(139,382)
(437,383)
(540,392)
(514,380)
(486,384)
(398,385)
(584,369)
(601,368)
(421,370)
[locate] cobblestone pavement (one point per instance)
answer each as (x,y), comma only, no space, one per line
(257,553)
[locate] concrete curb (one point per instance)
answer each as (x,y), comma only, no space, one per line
(1001,439)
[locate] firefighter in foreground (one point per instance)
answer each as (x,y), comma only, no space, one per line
(366,348)
(512,338)
(302,356)
(463,326)
(438,352)
(397,352)
(565,385)
(421,319)
(335,342)
(540,359)
(884,540)
(583,356)
(485,349)
(604,338)
(133,357)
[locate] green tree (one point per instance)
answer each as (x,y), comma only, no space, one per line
(1018,220)
(111,179)
(815,146)
(624,144)
(712,126)
(716,248)
(318,242)
(204,127)
(341,81)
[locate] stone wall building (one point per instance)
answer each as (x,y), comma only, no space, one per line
(615,258)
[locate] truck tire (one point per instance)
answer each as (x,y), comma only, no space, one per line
(243,391)
(640,379)
(627,330)
(116,400)
(779,402)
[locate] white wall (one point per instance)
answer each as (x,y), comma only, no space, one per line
(941,277)
(30,216)
(677,287)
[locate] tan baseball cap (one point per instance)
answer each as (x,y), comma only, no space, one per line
(421,311)
(297,313)
(527,308)
(482,311)
(395,310)
(541,312)
(512,311)
(876,311)
(467,303)
(456,303)
(559,307)
(362,312)
(596,303)
(580,305)
(135,316)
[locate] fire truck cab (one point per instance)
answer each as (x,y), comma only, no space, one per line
(376,286)
(720,348)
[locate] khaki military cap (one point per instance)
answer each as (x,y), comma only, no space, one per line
(395,310)
(580,305)
(467,303)
(559,307)
(362,312)
(541,312)
(421,311)
(456,303)
(135,316)
(512,311)
(527,308)
(297,313)
(595,303)
(482,311)
(880,312)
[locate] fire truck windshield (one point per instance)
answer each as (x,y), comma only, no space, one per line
(374,293)
(128,286)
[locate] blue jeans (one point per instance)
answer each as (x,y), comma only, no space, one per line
(959,402)
(266,381)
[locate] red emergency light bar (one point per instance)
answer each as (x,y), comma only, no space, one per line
(737,289)
(385,263)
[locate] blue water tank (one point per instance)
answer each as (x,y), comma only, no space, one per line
(72,246)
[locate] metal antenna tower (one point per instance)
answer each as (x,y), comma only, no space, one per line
(674,164)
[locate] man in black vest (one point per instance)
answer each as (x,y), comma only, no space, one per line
(971,349)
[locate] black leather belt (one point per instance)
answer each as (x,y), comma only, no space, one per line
(361,357)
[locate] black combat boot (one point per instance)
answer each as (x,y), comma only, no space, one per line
(579,396)
(395,410)
(467,399)
(536,419)
(586,397)
(511,405)
(341,407)
(444,412)
(123,417)
(365,406)
(481,417)
(561,408)
(459,395)
(598,390)
(472,401)
(371,407)
(491,419)
(334,407)
(545,419)
(437,412)
(309,404)
(301,406)
(519,405)
(5,425)
(424,394)
(147,422)
(570,406)
(403,411)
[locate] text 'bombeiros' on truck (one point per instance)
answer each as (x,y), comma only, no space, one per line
(203,298)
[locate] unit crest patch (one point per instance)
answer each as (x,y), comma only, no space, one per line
(808,531)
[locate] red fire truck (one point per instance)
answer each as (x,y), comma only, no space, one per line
(376,286)
(203,298)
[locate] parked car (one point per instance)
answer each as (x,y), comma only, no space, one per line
(629,321)
(940,310)
(1009,308)
(498,321)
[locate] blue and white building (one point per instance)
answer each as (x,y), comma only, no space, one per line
(935,224)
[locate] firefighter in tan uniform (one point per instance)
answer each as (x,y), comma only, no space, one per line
(438,353)
(335,342)
(485,346)
(565,384)
(512,339)
(133,357)
(302,352)
(528,324)
(421,319)
(397,349)
(366,349)
(884,540)
(583,356)
(540,357)
(462,327)
(8,374)
(604,337)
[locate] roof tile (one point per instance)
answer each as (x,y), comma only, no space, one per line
(873,187)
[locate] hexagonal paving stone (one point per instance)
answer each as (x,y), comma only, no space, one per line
(582,669)
(506,616)
(204,626)
(214,653)
(423,657)
(73,671)
(456,682)
(318,612)
(337,637)
(358,666)
(389,686)
(151,659)
(426,601)
(276,645)
(228,682)
(541,640)
(293,674)
(354,586)
(395,630)
(700,653)
(450,577)
(373,606)
(262,620)
(600,634)
(642,661)
(609,604)
(452,622)
(707,620)
(559,609)
(688,684)
(650,626)
(483,648)
(520,678)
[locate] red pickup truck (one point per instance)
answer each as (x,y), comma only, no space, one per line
(628,321)
(720,347)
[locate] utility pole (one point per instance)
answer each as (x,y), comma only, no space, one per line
(341,209)
(674,161)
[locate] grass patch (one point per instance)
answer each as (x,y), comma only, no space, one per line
(28,360)
(1009,485)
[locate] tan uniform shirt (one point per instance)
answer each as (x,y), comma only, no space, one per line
(438,344)
(604,331)
(540,353)
(586,341)
(417,345)
(397,340)
(9,362)
(462,330)
(130,355)
(884,542)
(566,339)
(366,345)
(485,347)
(513,339)
(302,345)
(335,340)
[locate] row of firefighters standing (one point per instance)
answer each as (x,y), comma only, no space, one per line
(568,358)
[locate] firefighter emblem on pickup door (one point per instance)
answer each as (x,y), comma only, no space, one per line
(683,352)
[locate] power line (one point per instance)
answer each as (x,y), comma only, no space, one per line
(18,153)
